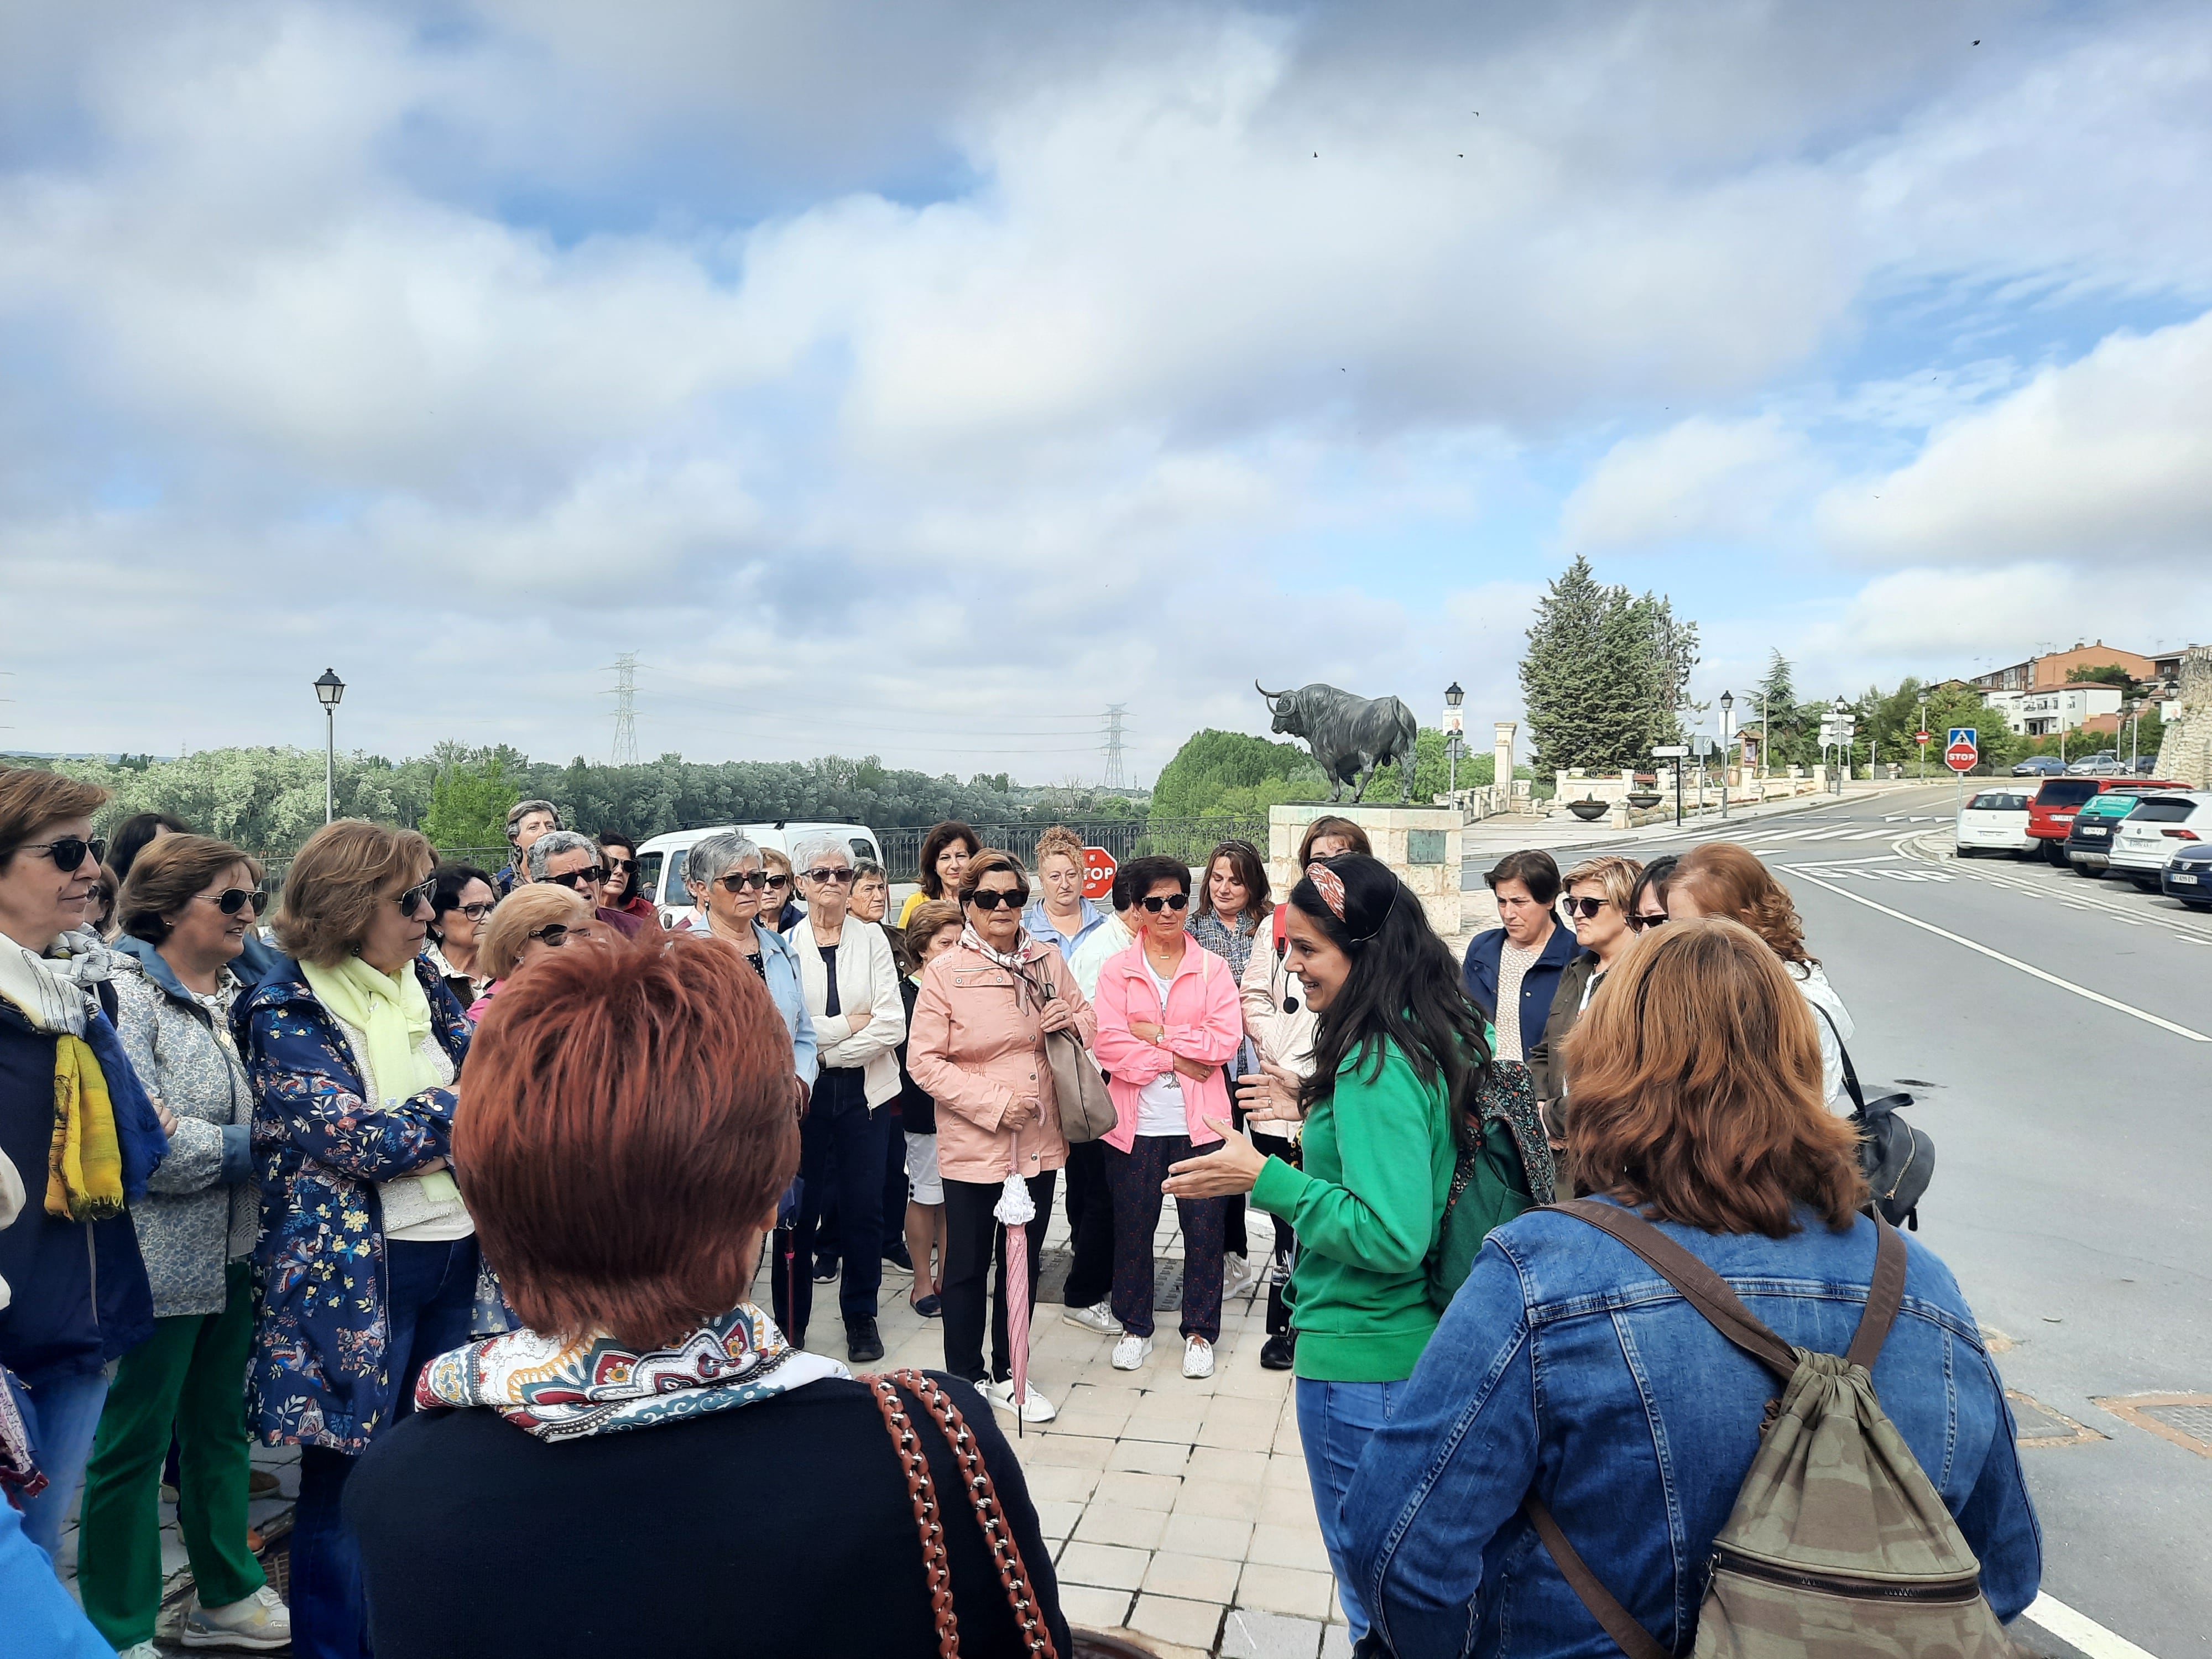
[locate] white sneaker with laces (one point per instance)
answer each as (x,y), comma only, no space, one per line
(1036,1409)
(1098,1317)
(1236,1275)
(1197,1357)
(260,1621)
(140,1650)
(1131,1351)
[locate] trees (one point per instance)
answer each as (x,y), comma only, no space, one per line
(469,802)
(1603,674)
(1236,774)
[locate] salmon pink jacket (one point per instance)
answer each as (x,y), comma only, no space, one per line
(1204,1020)
(976,1045)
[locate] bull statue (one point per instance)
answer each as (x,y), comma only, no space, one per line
(1350,736)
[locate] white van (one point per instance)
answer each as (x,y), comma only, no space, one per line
(660,860)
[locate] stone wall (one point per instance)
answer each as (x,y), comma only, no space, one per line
(2185,756)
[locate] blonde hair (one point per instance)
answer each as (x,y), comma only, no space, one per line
(335,885)
(1616,874)
(1061,842)
(518,915)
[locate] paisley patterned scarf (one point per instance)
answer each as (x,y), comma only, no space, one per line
(558,1389)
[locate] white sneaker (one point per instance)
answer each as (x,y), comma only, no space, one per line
(1099,1317)
(140,1650)
(1197,1357)
(1036,1409)
(1131,1351)
(261,1620)
(1236,1275)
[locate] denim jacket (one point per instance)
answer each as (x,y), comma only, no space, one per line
(1566,1364)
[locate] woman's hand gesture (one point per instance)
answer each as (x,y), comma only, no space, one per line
(1057,1016)
(1230,1168)
(1270,1095)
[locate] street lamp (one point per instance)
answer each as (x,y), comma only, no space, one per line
(328,689)
(1838,709)
(1453,698)
(1728,740)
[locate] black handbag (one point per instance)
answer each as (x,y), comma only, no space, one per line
(1899,1160)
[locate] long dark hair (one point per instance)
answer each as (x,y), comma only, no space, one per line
(1403,989)
(1243,860)
(932,885)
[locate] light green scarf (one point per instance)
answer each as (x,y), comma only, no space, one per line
(393,1014)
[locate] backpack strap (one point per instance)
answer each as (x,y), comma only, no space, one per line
(1884,1295)
(1851,1072)
(1700,1287)
(1615,1620)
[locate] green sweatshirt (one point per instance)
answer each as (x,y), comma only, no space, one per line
(1378,1166)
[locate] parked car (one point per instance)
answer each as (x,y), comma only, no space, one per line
(2145,765)
(2040,766)
(2160,826)
(2188,876)
(2089,838)
(660,860)
(2051,814)
(2090,766)
(1995,821)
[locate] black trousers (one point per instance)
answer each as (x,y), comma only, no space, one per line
(842,1148)
(973,1241)
(1089,1225)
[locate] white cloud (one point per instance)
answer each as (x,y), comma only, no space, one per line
(1699,478)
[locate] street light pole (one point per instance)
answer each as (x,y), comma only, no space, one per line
(1454,697)
(1843,743)
(1727,739)
(328,689)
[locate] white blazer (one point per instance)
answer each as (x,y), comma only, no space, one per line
(867,977)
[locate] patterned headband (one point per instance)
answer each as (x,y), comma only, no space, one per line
(1329,885)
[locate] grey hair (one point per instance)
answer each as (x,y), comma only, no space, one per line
(523,809)
(557,841)
(709,858)
(814,846)
(863,868)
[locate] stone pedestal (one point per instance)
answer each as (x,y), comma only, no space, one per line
(1423,844)
(1501,764)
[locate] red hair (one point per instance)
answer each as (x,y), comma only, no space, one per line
(625,1123)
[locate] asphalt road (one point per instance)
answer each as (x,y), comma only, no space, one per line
(2073,1146)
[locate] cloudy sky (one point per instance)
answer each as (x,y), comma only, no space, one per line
(921,378)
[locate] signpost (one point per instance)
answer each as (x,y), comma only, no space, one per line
(1098,868)
(1960,752)
(1675,752)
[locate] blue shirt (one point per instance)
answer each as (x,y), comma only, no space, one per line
(1039,927)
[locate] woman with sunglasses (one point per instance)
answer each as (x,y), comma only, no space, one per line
(186,910)
(530,923)
(728,881)
(1599,893)
(618,892)
(1169,1019)
(1647,903)
(462,901)
(71,1259)
(368,1262)
(567,859)
(1232,905)
(976,1046)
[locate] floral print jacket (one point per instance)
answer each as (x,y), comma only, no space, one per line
(320,1366)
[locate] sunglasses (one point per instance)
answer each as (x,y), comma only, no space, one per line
(418,894)
(553,934)
(818,877)
(232,900)
(779,883)
(1172,901)
(593,874)
(990,898)
(622,863)
(69,852)
(756,880)
(1586,908)
(1638,924)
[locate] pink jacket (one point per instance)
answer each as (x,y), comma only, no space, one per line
(1204,1020)
(977,1048)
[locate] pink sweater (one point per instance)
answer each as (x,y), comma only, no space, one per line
(1204,1020)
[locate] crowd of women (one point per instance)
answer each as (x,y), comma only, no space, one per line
(466,1202)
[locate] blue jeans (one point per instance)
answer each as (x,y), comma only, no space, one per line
(60,1416)
(430,1290)
(1336,1420)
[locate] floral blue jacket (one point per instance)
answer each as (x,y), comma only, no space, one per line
(320,1361)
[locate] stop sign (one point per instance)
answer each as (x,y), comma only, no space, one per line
(1099,867)
(1961,757)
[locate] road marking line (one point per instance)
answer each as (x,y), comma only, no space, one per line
(2083,1632)
(1869,834)
(2028,968)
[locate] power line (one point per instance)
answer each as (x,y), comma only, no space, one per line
(1116,777)
(625,697)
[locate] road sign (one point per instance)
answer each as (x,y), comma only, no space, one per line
(1701,745)
(1966,734)
(1099,867)
(1923,736)
(1959,754)
(1669,750)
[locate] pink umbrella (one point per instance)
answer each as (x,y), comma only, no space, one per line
(1016,1209)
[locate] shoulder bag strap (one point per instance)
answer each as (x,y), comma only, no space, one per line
(1884,1295)
(1615,1620)
(1850,1073)
(1701,1287)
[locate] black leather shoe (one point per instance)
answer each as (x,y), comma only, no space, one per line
(1278,1351)
(862,1346)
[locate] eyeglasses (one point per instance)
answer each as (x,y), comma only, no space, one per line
(1638,924)
(990,898)
(593,874)
(1171,902)
(622,863)
(475,912)
(818,877)
(68,852)
(756,880)
(418,894)
(553,934)
(1586,908)
(232,900)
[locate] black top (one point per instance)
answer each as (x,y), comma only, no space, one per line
(917,1106)
(783,1527)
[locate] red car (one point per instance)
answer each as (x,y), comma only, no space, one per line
(2051,814)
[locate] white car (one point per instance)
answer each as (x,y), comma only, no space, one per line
(1995,821)
(2148,837)
(660,860)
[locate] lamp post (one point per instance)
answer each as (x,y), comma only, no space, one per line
(328,689)
(1838,709)
(1728,741)
(1453,698)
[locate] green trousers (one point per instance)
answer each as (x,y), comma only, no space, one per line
(188,1377)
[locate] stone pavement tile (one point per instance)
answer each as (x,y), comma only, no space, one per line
(1219,1463)
(1238,1431)
(1104,1566)
(1286,1590)
(1117,1523)
(1225,1499)
(1283,1508)
(1056,1518)
(1208,1535)
(1141,1492)
(1286,1473)
(1150,1456)
(1072,1450)
(1179,1424)
(1336,1643)
(1193,1577)
(1248,1633)
(1288,1547)
(1051,1482)
(1242,1377)
(1194,1624)
(1094,1608)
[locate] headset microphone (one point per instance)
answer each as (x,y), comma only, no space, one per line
(1290,1005)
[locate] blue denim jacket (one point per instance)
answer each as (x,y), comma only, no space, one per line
(1566,1364)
